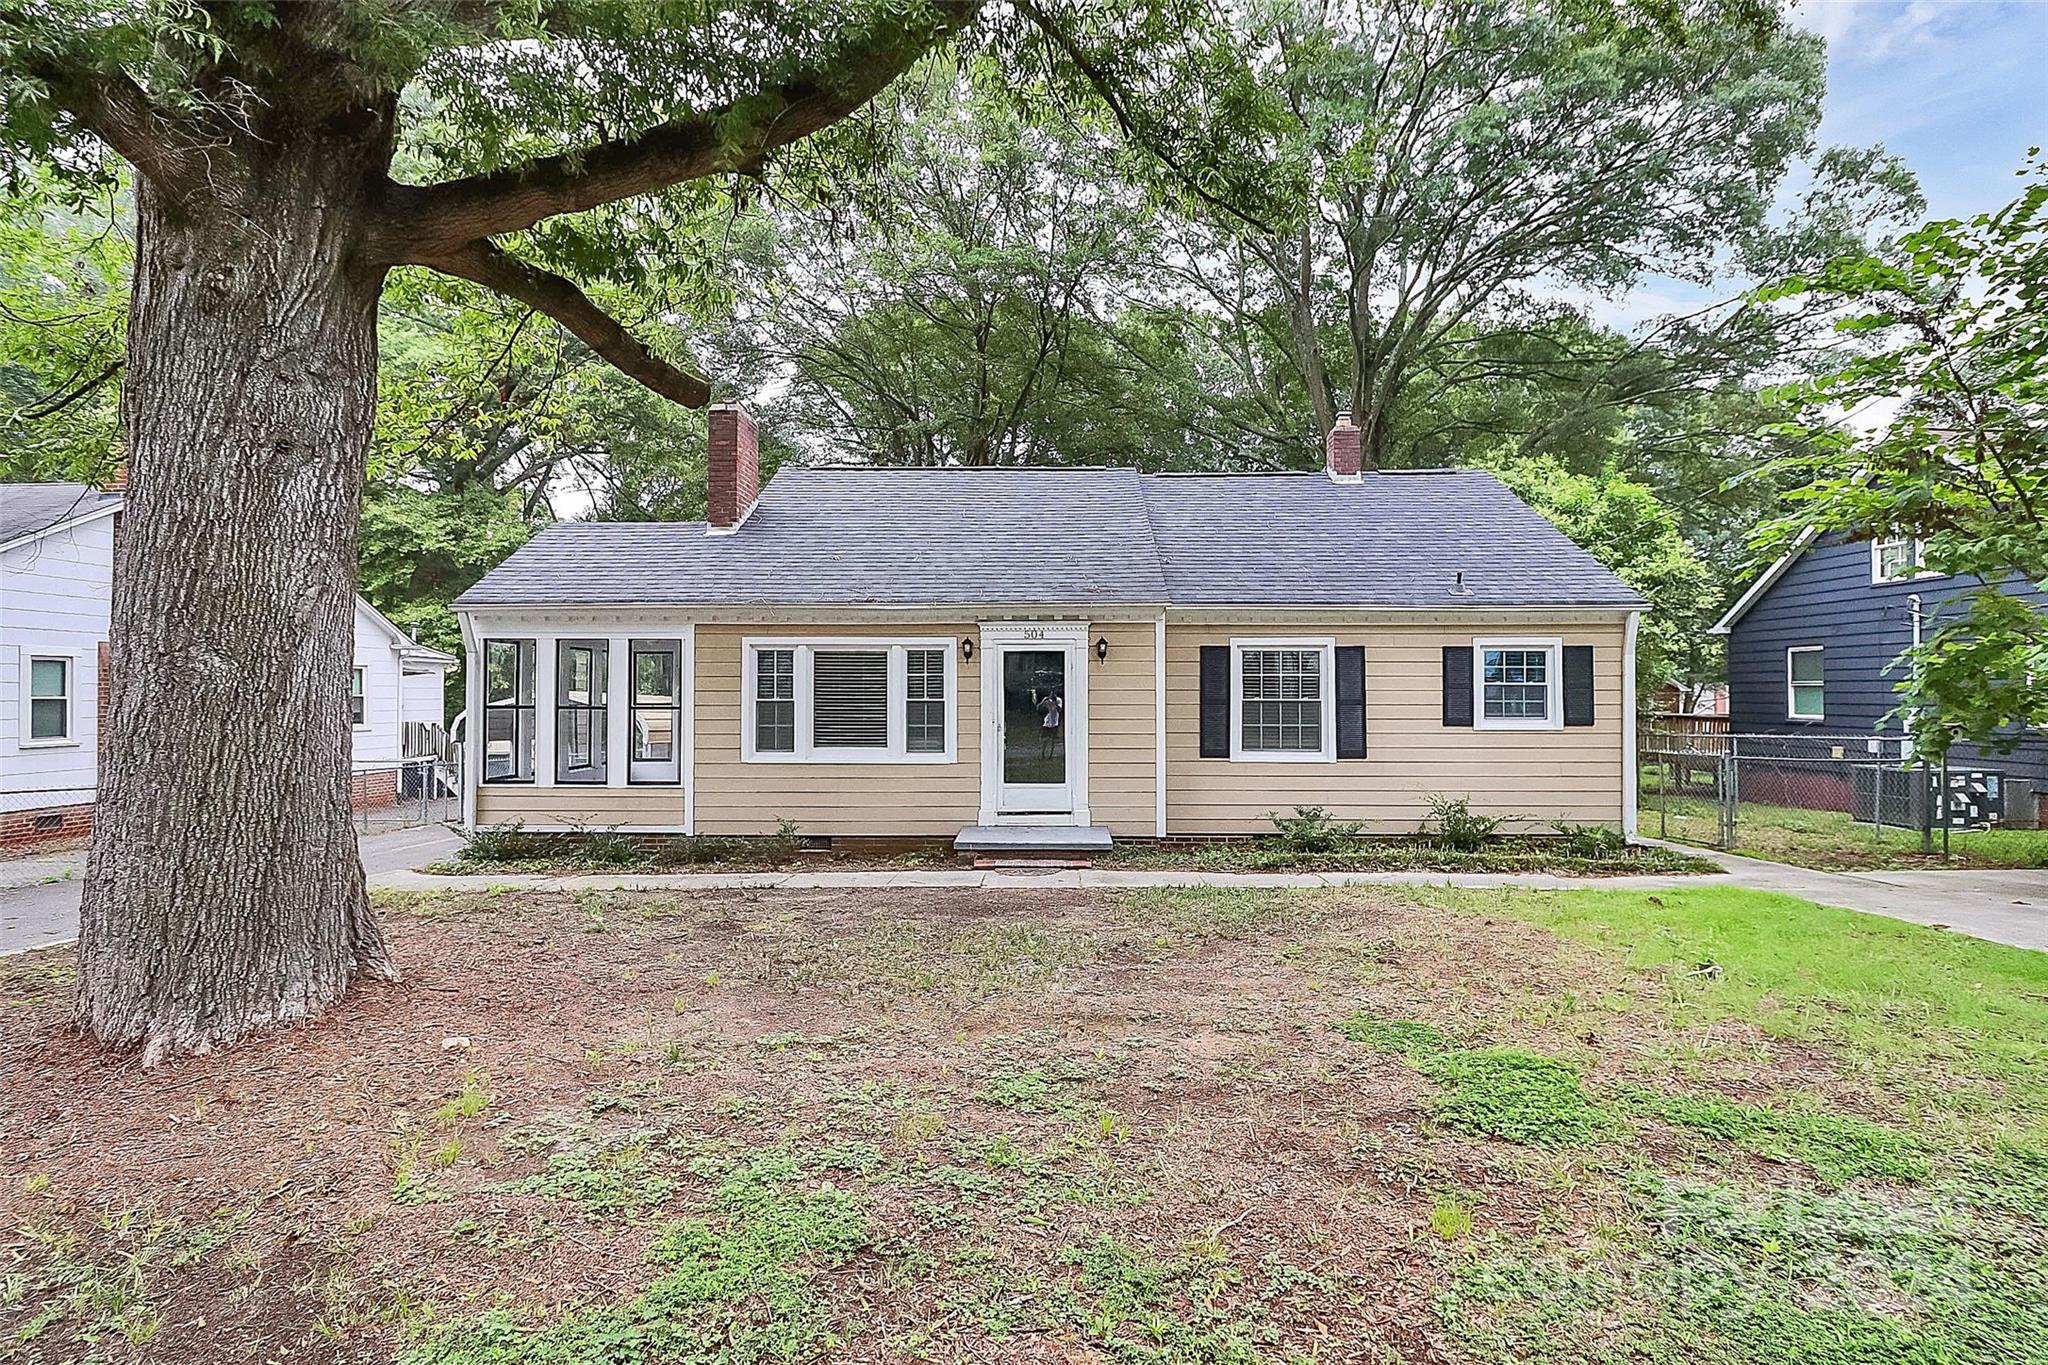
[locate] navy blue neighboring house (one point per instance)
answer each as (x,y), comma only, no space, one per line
(1814,645)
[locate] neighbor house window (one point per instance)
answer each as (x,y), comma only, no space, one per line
(355,696)
(657,673)
(1519,684)
(49,700)
(1806,683)
(1896,559)
(849,701)
(508,710)
(582,670)
(1284,699)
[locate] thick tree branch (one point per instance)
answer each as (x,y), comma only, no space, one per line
(549,293)
(108,103)
(413,224)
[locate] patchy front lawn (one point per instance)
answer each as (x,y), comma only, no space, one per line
(1194,1126)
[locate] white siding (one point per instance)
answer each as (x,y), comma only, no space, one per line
(54,597)
(376,740)
(423,697)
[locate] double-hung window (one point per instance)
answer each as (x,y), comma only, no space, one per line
(1806,692)
(508,710)
(49,699)
(1896,559)
(357,715)
(1518,685)
(582,669)
(656,755)
(1285,698)
(848,701)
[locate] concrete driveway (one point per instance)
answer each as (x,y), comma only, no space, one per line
(2004,905)
(39,895)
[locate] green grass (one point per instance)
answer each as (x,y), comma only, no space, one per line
(1830,839)
(1944,1023)
(1838,1147)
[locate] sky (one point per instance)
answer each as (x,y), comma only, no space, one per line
(1959,88)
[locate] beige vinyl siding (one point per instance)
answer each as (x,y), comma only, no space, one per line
(1530,777)
(1123,758)
(734,797)
(595,807)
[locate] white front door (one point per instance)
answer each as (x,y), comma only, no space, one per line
(1034,718)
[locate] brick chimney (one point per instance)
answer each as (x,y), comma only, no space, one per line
(1342,457)
(116,482)
(732,478)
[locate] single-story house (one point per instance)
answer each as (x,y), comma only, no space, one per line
(1814,648)
(937,651)
(56,594)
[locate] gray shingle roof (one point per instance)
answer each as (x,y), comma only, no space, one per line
(1009,537)
(26,508)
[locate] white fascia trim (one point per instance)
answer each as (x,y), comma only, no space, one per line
(1159,727)
(1629,781)
(1553,673)
(1763,583)
(472,720)
(94,515)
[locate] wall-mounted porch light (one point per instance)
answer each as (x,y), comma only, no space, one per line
(967,648)
(1102,649)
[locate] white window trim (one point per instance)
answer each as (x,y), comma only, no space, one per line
(364,670)
(69,659)
(1553,673)
(805,650)
(1915,548)
(1792,711)
(1326,646)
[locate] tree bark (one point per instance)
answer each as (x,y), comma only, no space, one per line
(224,891)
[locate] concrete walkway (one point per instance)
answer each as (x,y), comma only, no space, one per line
(39,895)
(2002,905)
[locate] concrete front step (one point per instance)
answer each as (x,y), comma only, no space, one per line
(1026,839)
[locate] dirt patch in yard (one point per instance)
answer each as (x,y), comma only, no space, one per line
(857,1125)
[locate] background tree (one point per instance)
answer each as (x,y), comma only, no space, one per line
(286,158)
(65,252)
(1466,166)
(1953,329)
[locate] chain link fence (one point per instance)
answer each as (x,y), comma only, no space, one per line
(1769,794)
(404,793)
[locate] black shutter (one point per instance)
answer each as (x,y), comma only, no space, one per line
(1215,701)
(1457,684)
(1351,701)
(1578,684)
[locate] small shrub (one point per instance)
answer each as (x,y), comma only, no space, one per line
(504,843)
(1591,841)
(1311,830)
(1458,827)
(608,848)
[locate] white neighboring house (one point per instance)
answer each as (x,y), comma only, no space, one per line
(56,592)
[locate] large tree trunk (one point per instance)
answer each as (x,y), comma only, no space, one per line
(224,890)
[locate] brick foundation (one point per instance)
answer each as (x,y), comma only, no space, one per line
(373,791)
(23,831)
